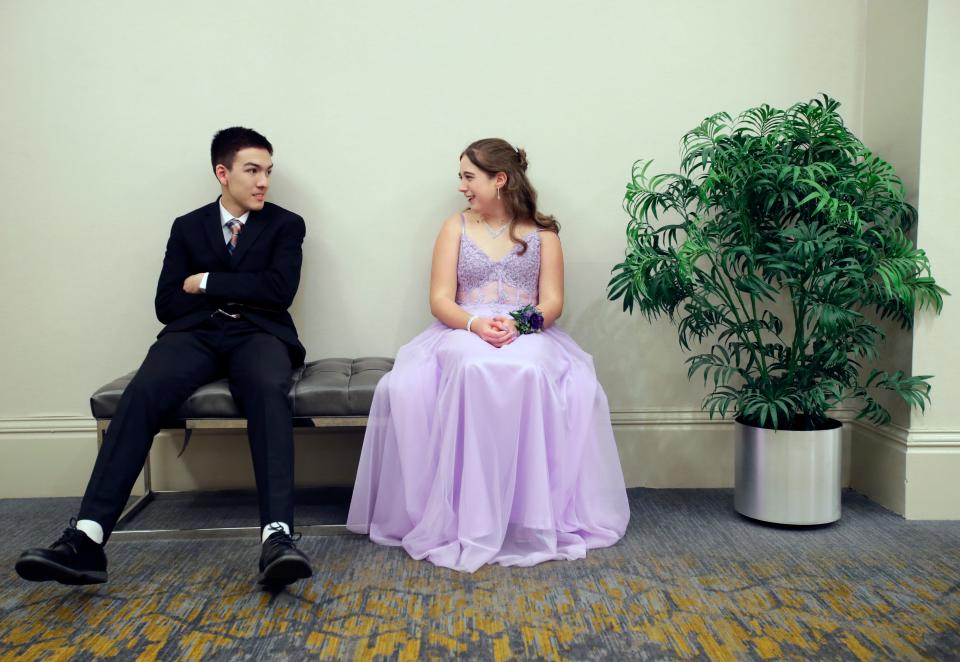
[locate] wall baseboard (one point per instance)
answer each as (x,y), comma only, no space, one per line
(53,455)
(52,424)
(912,472)
(666,417)
(46,456)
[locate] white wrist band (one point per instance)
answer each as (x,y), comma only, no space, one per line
(470,321)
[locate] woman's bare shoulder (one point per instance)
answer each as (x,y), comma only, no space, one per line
(526,228)
(548,238)
(451,224)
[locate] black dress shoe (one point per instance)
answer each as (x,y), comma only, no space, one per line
(281,563)
(74,559)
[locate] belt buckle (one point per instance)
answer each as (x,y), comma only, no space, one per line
(235,316)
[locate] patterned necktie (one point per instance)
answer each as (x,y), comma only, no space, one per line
(235,226)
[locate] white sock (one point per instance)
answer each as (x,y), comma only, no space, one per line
(272,528)
(93,530)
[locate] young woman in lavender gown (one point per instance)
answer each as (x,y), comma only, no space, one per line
(490,440)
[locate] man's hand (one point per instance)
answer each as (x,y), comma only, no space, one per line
(192,284)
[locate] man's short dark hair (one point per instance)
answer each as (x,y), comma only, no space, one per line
(227,142)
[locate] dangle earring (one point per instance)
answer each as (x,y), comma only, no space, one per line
(498,193)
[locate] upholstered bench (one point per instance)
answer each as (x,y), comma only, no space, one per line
(329,393)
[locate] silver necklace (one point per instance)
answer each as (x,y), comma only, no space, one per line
(495,233)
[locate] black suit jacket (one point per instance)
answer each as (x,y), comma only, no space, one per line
(262,275)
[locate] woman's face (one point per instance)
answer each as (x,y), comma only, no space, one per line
(478,187)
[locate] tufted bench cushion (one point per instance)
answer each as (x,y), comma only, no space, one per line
(328,387)
(338,387)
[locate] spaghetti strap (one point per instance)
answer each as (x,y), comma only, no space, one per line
(463,225)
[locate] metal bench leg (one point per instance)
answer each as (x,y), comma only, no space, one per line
(148,494)
(131,511)
(215,532)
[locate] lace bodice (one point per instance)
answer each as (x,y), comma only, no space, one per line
(513,281)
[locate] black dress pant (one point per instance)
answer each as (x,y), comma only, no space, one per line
(258,367)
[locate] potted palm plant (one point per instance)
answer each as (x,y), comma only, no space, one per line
(775,250)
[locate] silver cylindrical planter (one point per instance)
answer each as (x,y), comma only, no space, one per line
(788,477)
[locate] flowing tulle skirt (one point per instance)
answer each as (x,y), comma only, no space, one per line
(478,455)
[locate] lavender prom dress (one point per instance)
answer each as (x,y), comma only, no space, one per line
(478,455)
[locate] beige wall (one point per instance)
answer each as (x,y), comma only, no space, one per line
(933,459)
(892,116)
(892,109)
(935,337)
(109,107)
(910,105)
(109,113)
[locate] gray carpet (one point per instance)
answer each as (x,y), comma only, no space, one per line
(691,580)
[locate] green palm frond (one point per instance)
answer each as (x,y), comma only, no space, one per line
(778,211)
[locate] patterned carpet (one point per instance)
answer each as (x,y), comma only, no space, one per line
(691,580)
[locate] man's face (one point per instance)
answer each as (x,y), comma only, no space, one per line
(245,184)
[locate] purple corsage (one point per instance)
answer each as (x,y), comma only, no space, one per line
(528,319)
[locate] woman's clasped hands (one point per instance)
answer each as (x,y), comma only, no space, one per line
(499,330)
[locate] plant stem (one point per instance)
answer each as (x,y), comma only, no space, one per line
(725,294)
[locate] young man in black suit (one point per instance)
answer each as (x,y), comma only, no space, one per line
(230,273)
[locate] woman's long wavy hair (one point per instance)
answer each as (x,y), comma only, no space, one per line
(493,155)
